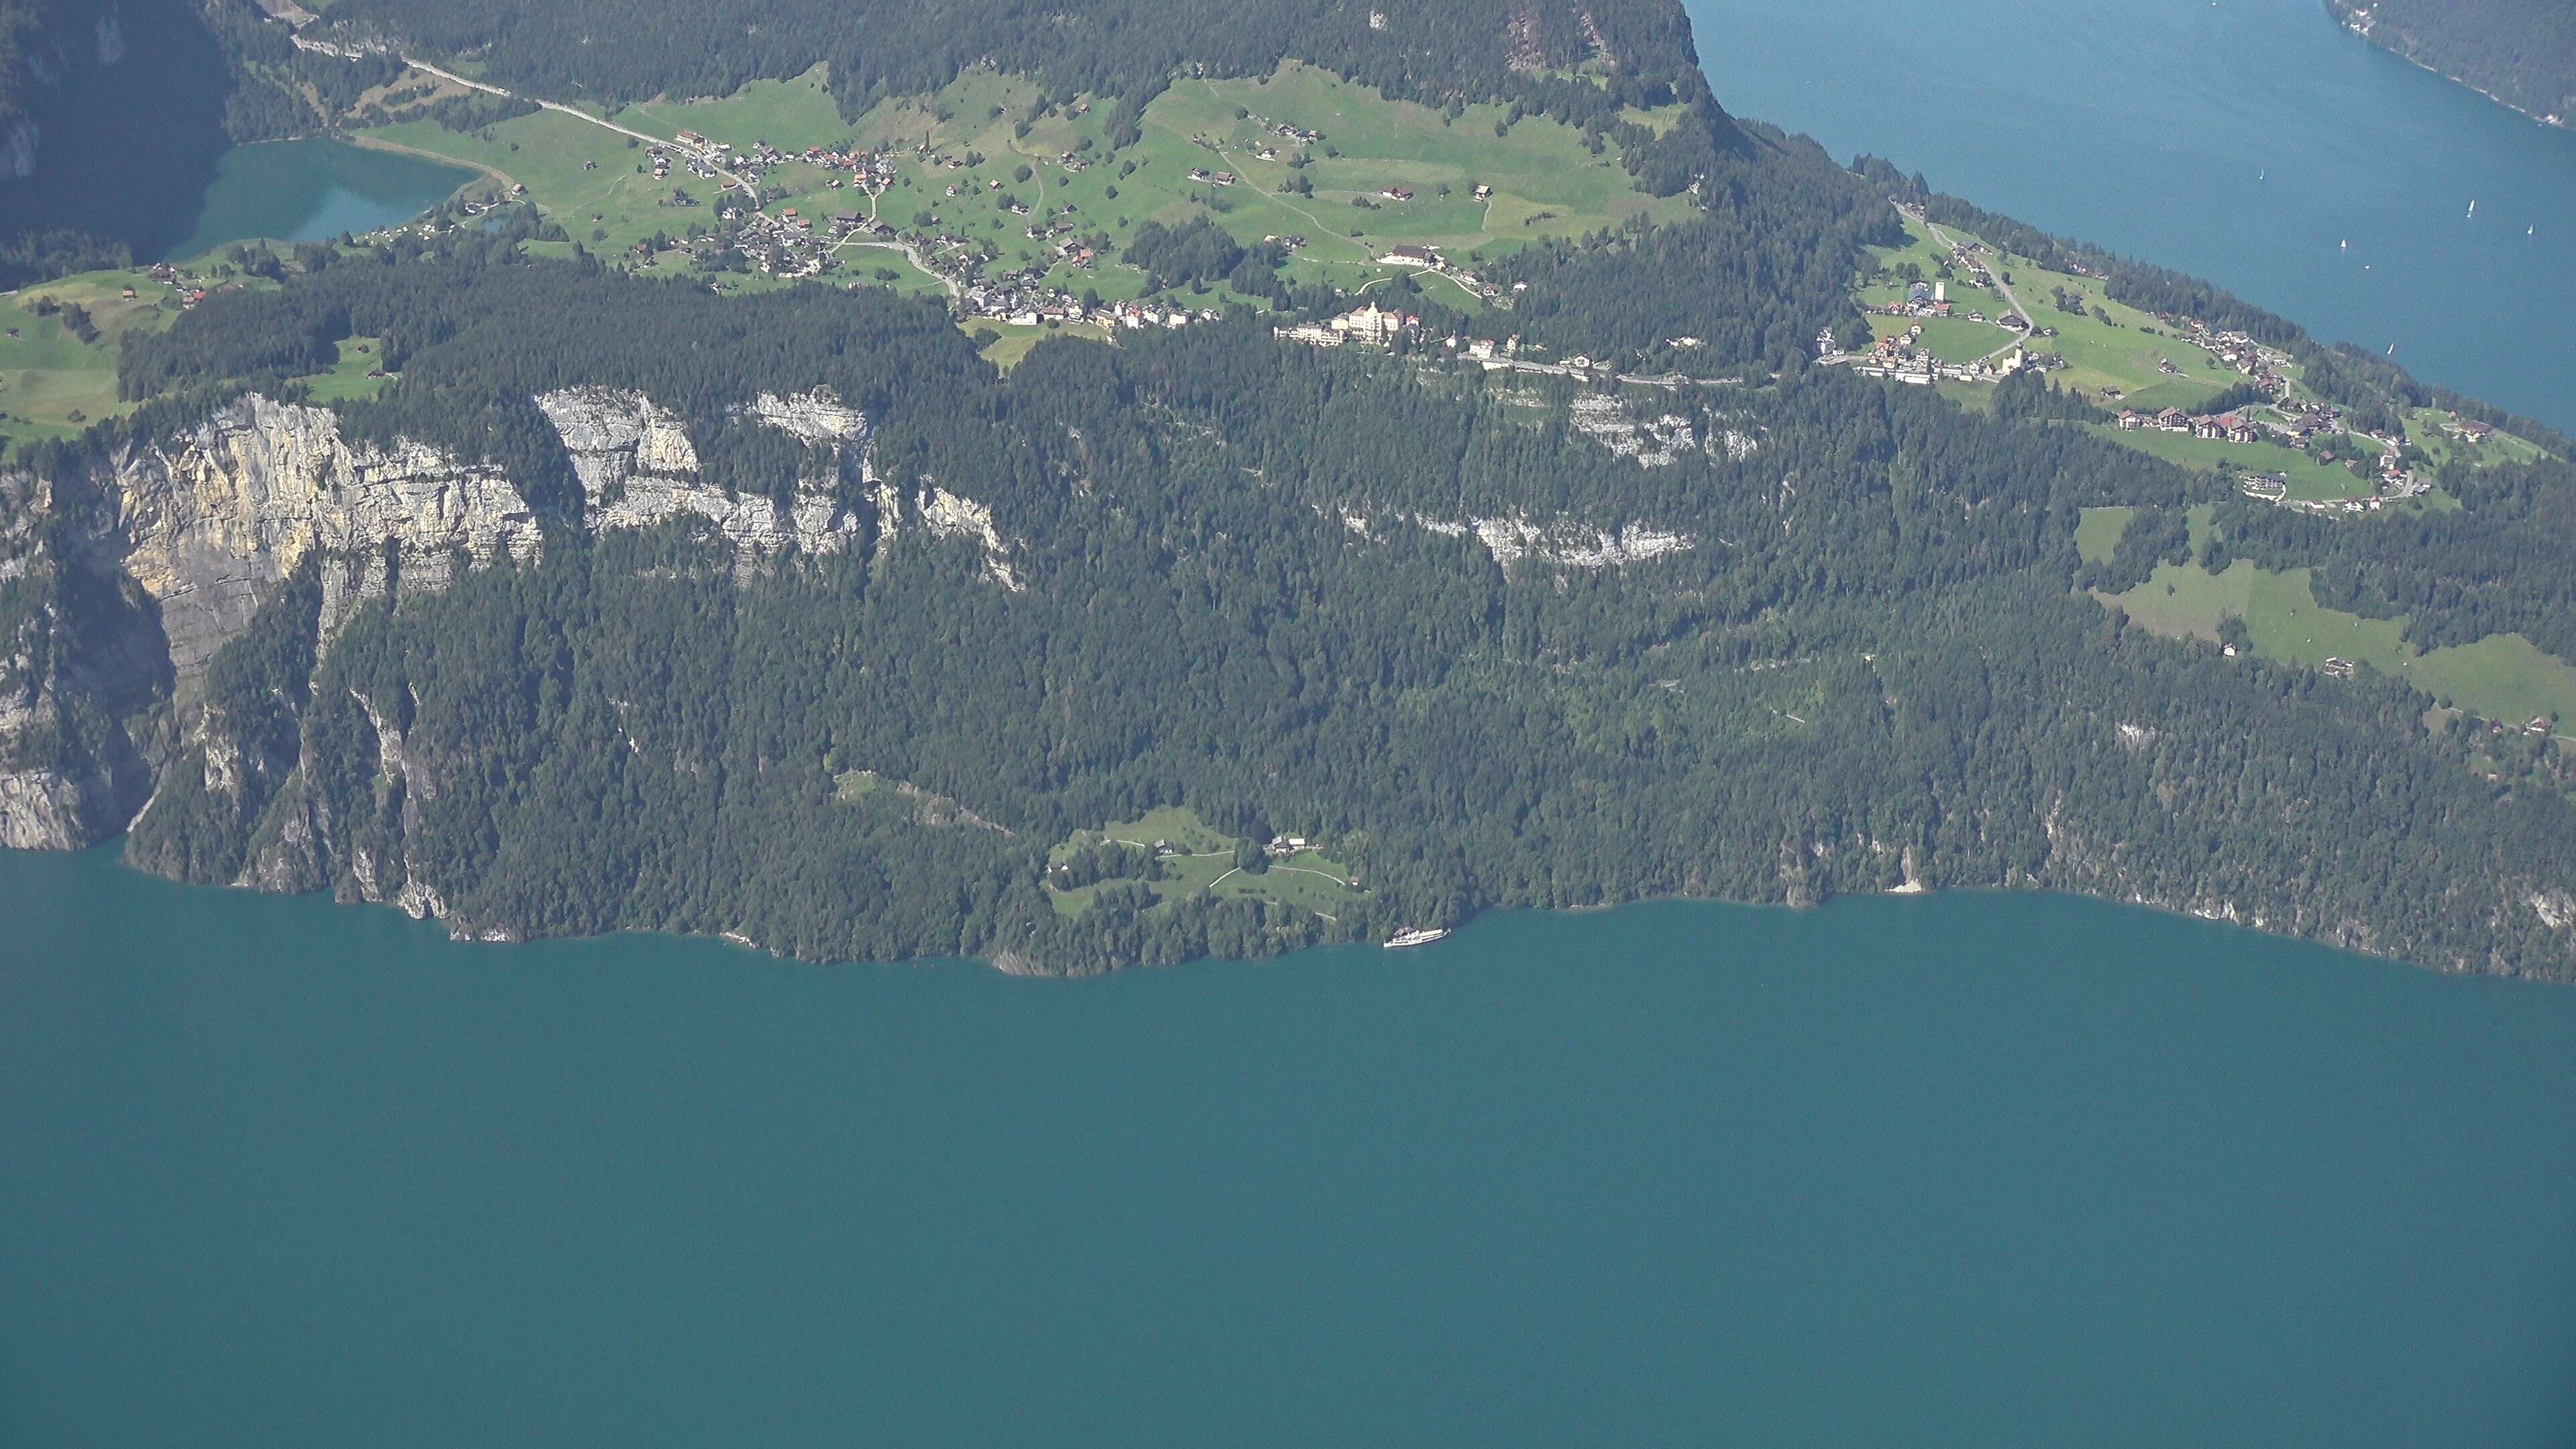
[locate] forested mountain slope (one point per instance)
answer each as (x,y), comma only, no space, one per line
(1476,48)
(459,569)
(2522,52)
(1827,642)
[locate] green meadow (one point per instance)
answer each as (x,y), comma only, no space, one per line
(581,176)
(347,381)
(1202,862)
(53,384)
(2110,345)
(2097,532)
(1542,180)
(2502,677)
(2308,477)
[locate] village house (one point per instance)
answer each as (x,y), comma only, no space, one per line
(1409,256)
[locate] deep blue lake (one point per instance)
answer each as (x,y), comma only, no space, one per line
(2242,141)
(1955,1170)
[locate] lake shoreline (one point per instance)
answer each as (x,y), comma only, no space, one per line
(2343,12)
(1008,961)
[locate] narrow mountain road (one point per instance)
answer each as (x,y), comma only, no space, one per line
(708,157)
(1945,239)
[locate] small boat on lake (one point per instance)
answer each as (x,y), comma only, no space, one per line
(1403,939)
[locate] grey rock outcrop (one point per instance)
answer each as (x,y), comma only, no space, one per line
(178,540)
(208,521)
(638,468)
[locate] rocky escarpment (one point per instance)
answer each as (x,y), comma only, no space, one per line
(1560,542)
(115,597)
(638,468)
(84,673)
(211,520)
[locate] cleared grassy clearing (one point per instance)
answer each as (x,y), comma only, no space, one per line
(2308,477)
(1011,342)
(2097,533)
(348,380)
(790,114)
(52,383)
(1202,861)
(2503,677)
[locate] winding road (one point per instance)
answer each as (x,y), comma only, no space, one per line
(2017,338)
(708,158)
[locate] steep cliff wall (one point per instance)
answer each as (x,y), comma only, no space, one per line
(84,676)
(207,522)
(638,468)
(113,603)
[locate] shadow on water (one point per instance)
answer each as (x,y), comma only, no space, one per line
(125,149)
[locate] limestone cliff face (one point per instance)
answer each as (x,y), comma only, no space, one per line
(206,522)
(84,676)
(173,544)
(638,468)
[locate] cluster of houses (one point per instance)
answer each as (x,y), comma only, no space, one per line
(1375,326)
(1286,132)
(695,152)
(1903,357)
(2227,427)
(1028,305)
(1932,299)
(190,290)
(2235,350)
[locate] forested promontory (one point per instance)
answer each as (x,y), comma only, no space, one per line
(2522,52)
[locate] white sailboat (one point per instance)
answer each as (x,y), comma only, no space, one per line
(2473,211)
(2347,244)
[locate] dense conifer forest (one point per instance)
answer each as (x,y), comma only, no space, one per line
(1128,48)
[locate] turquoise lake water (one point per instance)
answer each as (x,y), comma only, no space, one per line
(310,190)
(1949,1170)
(2244,142)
